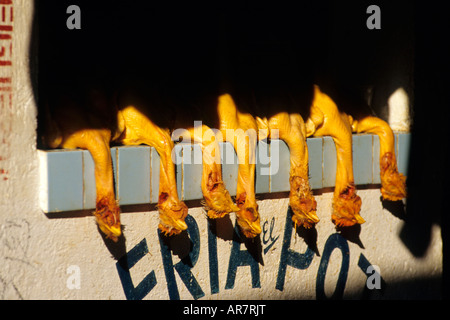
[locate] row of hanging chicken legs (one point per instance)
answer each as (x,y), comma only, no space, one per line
(242,130)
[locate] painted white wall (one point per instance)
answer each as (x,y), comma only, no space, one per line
(36,252)
(398,105)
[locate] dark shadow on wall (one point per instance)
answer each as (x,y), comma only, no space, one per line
(429,173)
(419,288)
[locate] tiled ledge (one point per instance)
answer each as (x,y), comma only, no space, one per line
(68,182)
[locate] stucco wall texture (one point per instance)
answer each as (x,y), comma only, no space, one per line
(67,258)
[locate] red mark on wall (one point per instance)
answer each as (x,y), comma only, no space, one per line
(6,52)
(6,72)
(3,174)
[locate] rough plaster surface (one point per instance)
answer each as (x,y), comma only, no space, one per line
(36,252)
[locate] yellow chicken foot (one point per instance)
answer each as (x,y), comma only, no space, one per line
(393,183)
(248,217)
(107,215)
(326,120)
(140,130)
(302,203)
(346,207)
(172,215)
(291,129)
(240,130)
(96,141)
(218,202)
(71,128)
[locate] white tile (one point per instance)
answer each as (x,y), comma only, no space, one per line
(404,145)
(279,166)
(362,159)
(329,163)
(229,161)
(133,175)
(64,180)
(89,189)
(315,146)
(155,167)
(192,171)
(262,174)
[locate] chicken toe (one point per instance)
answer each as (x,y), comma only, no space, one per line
(393,183)
(248,217)
(107,216)
(172,215)
(346,208)
(302,203)
(218,202)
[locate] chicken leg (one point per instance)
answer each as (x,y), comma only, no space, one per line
(240,130)
(69,128)
(291,129)
(326,120)
(218,202)
(140,130)
(107,212)
(393,183)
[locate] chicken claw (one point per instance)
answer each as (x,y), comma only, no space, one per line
(291,129)
(393,183)
(172,215)
(302,203)
(218,202)
(74,132)
(346,208)
(141,130)
(217,199)
(108,219)
(243,137)
(326,120)
(248,217)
